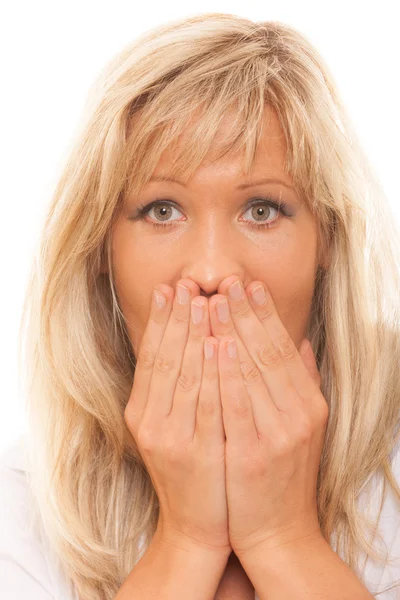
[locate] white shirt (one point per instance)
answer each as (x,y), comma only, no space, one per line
(28,569)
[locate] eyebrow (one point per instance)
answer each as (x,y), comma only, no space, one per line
(242,186)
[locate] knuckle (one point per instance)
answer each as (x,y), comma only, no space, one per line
(268,356)
(179,318)
(159,318)
(146,438)
(231,378)
(254,465)
(173,449)
(282,443)
(163,364)
(240,408)
(250,372)
(243,310)
(187,381)
(304,429)
(206,406)
(196,336)
(286,348)
(268,311)
(146,357)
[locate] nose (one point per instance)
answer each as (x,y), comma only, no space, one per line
(211,258)
(203,293)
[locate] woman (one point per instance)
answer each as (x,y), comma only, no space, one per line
(129,504)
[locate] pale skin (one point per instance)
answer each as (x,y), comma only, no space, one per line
(210,239)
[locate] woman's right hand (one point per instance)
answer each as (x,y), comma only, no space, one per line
(175,417)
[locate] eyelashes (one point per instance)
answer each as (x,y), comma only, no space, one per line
(261,202)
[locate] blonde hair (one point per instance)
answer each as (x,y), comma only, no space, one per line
(95,495)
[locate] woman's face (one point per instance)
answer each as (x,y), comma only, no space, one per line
(212,235)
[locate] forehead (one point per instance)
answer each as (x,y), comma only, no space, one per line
(269,156)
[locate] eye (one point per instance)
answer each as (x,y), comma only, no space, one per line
(162,208)
(259,207)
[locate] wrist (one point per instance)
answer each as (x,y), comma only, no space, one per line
(171,540)
(283,549)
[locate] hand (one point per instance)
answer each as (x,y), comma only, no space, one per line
(174,415)
(275,419)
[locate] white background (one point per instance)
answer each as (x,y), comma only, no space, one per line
(50,52)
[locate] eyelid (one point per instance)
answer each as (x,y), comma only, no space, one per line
(145,207)
(283,209)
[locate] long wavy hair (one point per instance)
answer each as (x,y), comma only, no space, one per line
(98,507)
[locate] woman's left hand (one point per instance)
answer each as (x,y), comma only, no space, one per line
(275,419)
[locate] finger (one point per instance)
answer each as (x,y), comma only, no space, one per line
(264,410)
(209,423)
(168,361)
(237,412)
(256,336)
(183,413)
(153,334)
(283,354)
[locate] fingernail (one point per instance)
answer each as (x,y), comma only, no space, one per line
(159,299)
(197,312)
(236,291)
(259,295)
(208,350)
(231,348)
(223,311)
(183,294)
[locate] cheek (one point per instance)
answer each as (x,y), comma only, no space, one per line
(290,276)
(136,316)
(136,271)
(294,307)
